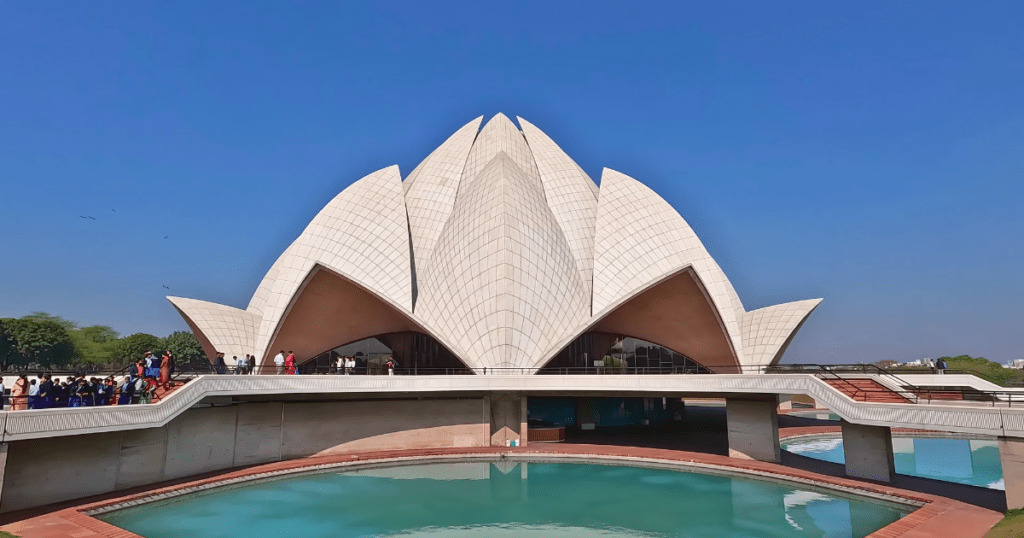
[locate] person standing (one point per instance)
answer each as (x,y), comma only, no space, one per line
(252,364)
(19,394)
(165,369)
(45,398)
(350,365)
(279,362)
(391,366)
(33,394)
(940,366)
(289,363)
(3,395)
(218,364)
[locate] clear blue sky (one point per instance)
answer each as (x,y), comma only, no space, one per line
(867,153)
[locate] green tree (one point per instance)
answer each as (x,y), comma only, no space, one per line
(43,316)
(95,344)
(39,340)
(8,344)
(186,349)
(131,348)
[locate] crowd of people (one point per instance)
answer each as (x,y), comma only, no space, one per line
(138,386)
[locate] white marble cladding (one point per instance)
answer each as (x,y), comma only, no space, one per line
(501,246)
(503,283)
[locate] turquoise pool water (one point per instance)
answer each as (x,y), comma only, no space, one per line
(521,500)
(820,415)
(966,461)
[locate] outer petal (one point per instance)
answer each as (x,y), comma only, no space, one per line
(218,327)
(431,188)
(768,331)
(362,234)
(639,239)
(499,135)
(572,196)
(503,283)
(266,287)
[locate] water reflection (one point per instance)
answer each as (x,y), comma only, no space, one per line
(965,461)
(508,499)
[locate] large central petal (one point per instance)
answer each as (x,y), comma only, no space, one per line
(503,282)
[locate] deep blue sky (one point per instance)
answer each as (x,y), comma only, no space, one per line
(867,153)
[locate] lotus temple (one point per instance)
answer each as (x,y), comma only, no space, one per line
(537,354)
(498,252)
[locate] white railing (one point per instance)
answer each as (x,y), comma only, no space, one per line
(998,421)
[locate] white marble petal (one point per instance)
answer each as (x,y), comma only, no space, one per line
(430,191)
(640,238)
(503,283)
(499,135)
(363,234)
(229,330)
(570,193)
(767,331)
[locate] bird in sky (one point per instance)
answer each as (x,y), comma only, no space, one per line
(165,287)
(82,217)
(112,209)
(165,237)
(93,218)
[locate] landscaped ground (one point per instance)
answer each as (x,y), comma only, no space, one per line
(1012,526)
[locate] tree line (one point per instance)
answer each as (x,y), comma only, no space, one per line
(41,340)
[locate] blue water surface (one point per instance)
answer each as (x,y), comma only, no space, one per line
(482,499)
(965,461)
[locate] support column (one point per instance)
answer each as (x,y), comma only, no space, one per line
(868,451)
(524,427)
(507,422)
(753,429)
(3,467)
(1011,456)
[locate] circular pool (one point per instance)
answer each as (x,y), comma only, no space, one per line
(505,498)
(965,461)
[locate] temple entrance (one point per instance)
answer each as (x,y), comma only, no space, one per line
(599,352)
(411,353)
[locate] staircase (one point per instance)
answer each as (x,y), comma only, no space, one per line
(866,390)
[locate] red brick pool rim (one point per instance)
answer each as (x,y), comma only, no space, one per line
(938,517)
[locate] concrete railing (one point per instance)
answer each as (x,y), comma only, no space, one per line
(21,425)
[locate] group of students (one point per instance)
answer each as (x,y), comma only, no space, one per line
(139,386)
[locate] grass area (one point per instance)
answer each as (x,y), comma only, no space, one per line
(983,368)
(1012,526)
(7,535)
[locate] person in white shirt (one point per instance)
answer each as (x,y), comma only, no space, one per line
(339,365)
(241,365)
(350,365)
(279,362)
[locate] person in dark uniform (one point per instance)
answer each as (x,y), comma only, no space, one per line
(45,393)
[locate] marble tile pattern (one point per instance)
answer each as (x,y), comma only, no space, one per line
(640,238)
(503,283)
(431,188)
(500,246)
(766,330)
(572,196)
(363,235)
(229,329)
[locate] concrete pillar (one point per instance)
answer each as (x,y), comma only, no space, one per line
(785,402)
(507,420)
(3,467)
(753,429)
(1011,456)
(868,451)
(524,427)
